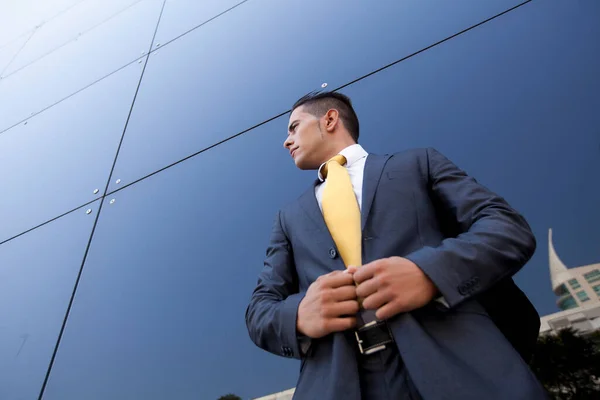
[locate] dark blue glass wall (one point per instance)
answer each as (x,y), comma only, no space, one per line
(141,164)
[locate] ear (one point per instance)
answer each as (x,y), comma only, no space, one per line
(332,120)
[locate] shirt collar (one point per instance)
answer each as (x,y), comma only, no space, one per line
(352,153)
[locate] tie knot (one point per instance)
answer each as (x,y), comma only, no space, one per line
(340,159)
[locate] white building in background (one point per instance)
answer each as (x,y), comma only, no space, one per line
(578,295)
(285,395)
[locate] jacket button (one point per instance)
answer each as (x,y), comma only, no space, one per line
(332,253)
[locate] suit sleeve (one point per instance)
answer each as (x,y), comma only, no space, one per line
(273,308)
(493,241)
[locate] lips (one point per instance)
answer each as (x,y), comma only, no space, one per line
(293,151)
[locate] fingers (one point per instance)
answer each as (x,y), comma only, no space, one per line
(388,310)
(343,293)
(365,272)
(368,287)
(375,300)
(336,279)
(348,307)
(341,324)
(351,270)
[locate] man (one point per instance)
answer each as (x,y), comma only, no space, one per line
(390,278)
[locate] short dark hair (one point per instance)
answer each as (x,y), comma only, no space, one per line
(318,104)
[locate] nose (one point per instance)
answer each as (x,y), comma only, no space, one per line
(288,142)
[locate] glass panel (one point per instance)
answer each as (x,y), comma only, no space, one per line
(37,275)
(179,16)
(597,289)
(53,162)
(9,51)
(583,296)
(67,27)
(78,64)
(250,64)
(497,96)
(574,284)
(567,303)
(20,17)
(161,303)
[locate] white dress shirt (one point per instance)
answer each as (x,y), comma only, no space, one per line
(356,157)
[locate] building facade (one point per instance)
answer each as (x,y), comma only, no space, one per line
(142,164)
(578,295)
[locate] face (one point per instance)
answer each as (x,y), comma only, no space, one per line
(306,140)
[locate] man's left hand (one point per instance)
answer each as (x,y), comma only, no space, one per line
(392,285)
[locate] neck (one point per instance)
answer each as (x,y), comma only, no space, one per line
(341,145)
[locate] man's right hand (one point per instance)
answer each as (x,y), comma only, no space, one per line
(330,305)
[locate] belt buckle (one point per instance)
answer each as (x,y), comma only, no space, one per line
(360,341)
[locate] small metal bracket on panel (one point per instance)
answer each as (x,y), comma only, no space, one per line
(96,191)
(88,211)
(112,201)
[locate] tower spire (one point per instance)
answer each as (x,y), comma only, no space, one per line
(559,273)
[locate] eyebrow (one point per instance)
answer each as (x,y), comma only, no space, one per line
(293,122)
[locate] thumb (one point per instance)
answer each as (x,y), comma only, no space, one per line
(351,270)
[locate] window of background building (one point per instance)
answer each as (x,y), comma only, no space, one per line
(574,284)
(592,276)
(597,290)
(583,296)
(561,290)
(567,303)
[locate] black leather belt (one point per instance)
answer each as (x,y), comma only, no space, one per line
(373,337)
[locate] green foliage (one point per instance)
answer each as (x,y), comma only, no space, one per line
(230,396)
(568,365)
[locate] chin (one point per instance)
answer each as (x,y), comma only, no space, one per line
(305,166)
(300,164)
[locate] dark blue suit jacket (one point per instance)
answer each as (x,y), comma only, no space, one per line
(469,241)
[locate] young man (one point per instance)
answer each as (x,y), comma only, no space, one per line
(390,278)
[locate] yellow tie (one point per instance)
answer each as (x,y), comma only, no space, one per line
(341,211)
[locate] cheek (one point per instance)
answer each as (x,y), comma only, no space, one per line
(306,141)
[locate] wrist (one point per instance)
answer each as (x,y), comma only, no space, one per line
(299,319)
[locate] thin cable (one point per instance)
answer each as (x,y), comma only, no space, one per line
(433,45)
(202,24)
(339,88)
(260,123)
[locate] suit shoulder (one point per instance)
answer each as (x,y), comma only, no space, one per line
(416,152)
(408,156)
(291,207)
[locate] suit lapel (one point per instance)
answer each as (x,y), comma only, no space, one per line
(371,176)
(308,202)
